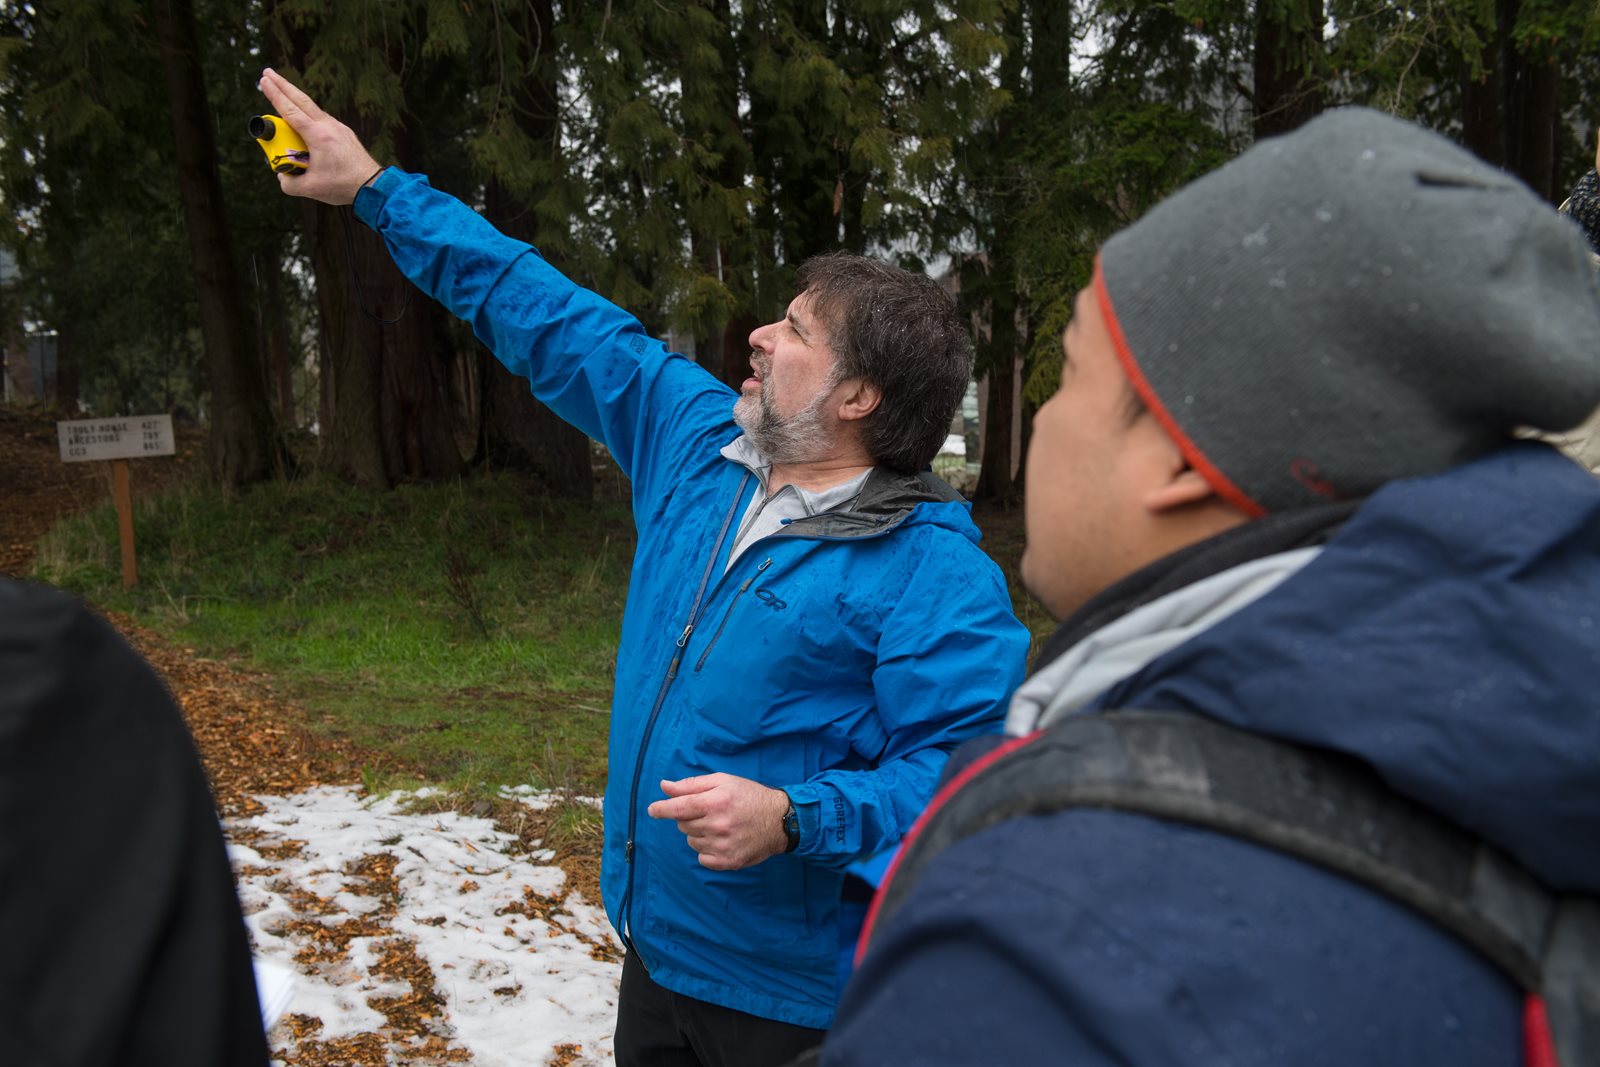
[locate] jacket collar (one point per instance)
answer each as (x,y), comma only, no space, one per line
(885,501)
(1073,680)
(1272,534)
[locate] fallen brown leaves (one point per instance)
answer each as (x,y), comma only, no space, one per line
(249,738)
(409,1015)
(578,857)
(355,1050)
(251,741)
(378,874)
(546,909)
(565,1055)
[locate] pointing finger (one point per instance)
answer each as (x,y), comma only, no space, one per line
(288,98)
(687,786)
(678,808)
(271,85)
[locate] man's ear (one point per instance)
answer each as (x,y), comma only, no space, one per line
(1173,482)
(861,398)
(1185,487)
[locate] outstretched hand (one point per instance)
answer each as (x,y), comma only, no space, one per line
(731,822)
(339,165)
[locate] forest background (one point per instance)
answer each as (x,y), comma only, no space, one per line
(367,513)
(681,157)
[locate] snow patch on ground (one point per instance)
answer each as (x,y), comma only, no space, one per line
(521,965)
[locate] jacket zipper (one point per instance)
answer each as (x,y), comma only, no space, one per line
(701,662)
(672,672)
(661,696)
(783,533)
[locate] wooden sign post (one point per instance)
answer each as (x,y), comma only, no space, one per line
(118,440)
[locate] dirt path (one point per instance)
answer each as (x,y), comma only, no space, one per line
(243,730)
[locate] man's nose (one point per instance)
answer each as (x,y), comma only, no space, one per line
(759,335)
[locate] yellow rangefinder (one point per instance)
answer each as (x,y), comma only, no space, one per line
(286,152)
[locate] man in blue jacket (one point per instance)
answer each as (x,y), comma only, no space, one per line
(810,627)
(1279,490)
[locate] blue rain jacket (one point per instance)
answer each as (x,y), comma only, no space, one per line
(1448,635)
(840,660)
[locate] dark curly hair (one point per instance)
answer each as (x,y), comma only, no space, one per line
(901,332)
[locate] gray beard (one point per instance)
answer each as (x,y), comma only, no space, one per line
(800,438)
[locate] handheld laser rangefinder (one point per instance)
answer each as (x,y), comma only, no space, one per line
(286,152)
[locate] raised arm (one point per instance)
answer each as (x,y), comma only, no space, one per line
(587,359)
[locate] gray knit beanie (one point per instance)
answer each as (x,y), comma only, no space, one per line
(1355,302)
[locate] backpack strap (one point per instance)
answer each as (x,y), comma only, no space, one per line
(1314,804)
(1571,992)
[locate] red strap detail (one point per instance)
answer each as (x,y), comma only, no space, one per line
(950,787)
(1538,1047)
(1197,459)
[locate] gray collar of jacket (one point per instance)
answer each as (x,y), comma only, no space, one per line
(885,501)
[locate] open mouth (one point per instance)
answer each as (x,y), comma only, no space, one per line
(756,373)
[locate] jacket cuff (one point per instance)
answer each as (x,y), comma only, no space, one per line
(370,199)
(819,826)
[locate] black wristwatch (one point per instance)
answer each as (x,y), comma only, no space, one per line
(791,827)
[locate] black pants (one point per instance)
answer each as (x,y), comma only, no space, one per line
(659,1028)
(121,939)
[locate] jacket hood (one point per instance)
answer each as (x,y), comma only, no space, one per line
(888,500)
(1448,635)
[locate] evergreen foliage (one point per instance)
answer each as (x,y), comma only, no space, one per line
(95,249)
(683,159)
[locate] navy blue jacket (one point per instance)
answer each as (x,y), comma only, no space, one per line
(1449,635)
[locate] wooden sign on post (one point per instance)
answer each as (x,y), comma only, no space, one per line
(118,440)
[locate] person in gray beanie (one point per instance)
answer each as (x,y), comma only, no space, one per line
(1310,772)
(1356,304)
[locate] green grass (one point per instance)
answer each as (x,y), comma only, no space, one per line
(1004,538)
(457,628)
(467,632)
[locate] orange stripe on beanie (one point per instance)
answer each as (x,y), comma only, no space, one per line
(1130,366)
(1353,303)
